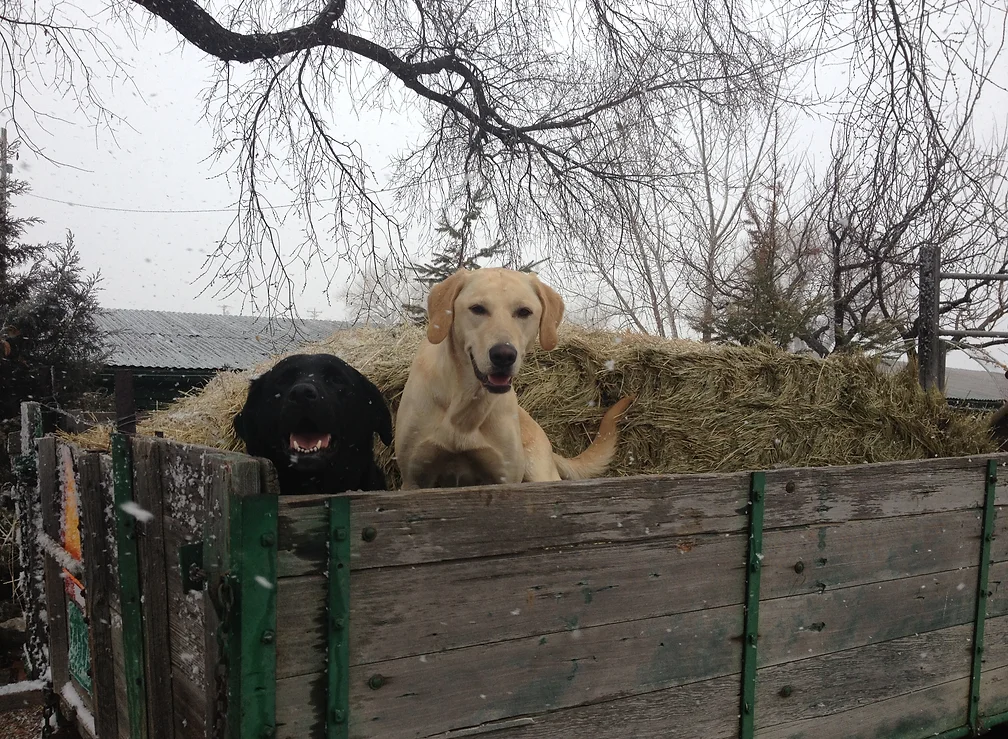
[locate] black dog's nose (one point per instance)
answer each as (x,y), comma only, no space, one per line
(304,392)
(503,355)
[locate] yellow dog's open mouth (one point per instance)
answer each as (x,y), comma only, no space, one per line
(495,382)
(309,443)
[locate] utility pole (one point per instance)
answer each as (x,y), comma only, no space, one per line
(3,172)
(929,365)
(4,231)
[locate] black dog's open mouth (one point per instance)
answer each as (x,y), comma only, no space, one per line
(495,382)
(309,442)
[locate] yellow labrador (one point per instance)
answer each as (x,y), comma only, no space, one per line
(459,422)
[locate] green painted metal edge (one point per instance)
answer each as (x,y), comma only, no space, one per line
(338,670)
(129,587)
(995,719)
(254,568)
(990,493)
(747,714)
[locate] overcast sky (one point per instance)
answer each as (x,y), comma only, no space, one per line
(124,193)
(112,189)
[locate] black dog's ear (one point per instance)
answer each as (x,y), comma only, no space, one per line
(380,412)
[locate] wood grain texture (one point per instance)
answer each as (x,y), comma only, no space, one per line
(149,496)
(98,583)
(400,612)
(814,558)
(850,493)
(55,602)
(416,527)
(818,623)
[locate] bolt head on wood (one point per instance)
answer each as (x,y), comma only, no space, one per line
(370,533)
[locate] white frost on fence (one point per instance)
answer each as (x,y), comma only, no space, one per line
(55,550)
(25,686)
(74,701)
(141,514)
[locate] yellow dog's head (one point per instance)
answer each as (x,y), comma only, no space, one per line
(493,317)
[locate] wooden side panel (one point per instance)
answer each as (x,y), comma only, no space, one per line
(438,525)
(149,496)
(97,567)
(55,596)
(803,497)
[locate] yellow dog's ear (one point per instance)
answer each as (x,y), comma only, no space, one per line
(441,306)
(552,313)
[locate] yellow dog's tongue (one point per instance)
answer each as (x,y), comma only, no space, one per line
(309,442)
(501,380)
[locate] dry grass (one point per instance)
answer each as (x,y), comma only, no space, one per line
(700,408)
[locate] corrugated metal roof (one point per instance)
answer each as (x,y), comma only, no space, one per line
(150,338)
(966,384)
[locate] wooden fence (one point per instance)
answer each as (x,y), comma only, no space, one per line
(860,601)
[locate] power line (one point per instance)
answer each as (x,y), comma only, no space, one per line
(136,210)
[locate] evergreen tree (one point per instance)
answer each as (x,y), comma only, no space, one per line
(776,294)
(459,252)
(50,345)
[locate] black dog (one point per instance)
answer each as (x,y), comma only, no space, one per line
(315,417)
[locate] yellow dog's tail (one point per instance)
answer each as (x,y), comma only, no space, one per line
(594,460)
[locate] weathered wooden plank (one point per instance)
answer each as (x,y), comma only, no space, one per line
(190,705)
(562,669)
(994,675)
(437,525)
(923,713)
(94,545)
(399,612)
(798,497)
(832,683)
(28,513)
(148,494)
(705,709)
(230,477)
(814,558)
(119,673)
(186,620)
(55,603)
(301,708)
(816,623)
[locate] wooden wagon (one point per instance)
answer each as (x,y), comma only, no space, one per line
(858,601)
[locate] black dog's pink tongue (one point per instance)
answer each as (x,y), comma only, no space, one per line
(303,442)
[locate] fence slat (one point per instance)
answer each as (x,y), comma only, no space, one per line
(129,587)
(148,493)
(98,583)
(55,601)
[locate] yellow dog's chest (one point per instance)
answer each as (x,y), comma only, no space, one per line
(467,462)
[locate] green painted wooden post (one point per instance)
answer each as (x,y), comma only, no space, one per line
(754,563)
(338,686)
(129,587)
(990,493)
(253,542)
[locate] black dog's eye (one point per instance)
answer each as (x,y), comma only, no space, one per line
(479,310)
(523,312)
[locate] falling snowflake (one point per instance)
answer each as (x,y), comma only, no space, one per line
(139,513)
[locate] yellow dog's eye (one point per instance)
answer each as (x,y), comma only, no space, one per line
(478,309)
(523,312)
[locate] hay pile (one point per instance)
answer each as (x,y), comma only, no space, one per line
(700,408)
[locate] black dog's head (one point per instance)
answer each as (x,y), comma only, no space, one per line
(315,417)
